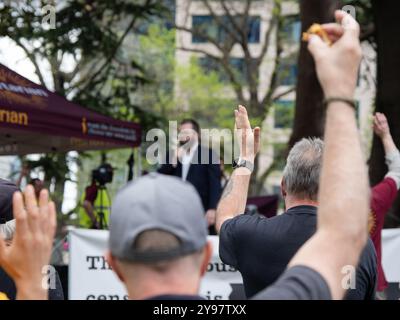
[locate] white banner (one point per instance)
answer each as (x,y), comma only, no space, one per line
(391,254)
(90,277)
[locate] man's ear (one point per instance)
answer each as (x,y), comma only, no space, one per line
(112,261)
(206,258)
(283,188)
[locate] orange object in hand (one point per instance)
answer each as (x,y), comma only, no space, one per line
(319,31)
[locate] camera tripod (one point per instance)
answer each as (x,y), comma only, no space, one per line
(102,221)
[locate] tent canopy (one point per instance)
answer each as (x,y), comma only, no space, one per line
(36,120)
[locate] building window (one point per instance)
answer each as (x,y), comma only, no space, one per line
(292,30)
(283,114)
(238,66)
(207,26)
(204,25)
(253,27)
(287,72)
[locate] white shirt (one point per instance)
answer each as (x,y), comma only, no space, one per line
(393,163)
(7,229)
(187,159)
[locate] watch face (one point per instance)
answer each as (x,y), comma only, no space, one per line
(238,163)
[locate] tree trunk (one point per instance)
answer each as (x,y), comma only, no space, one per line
(387,28)
(309,113)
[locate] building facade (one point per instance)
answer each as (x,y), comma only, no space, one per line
(277,126)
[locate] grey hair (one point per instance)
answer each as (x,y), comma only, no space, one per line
(303,167)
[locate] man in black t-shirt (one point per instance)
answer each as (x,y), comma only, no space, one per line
(261,248)
(343,196)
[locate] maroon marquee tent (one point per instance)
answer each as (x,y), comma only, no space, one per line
(36,120)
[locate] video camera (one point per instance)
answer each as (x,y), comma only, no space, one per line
(103,174)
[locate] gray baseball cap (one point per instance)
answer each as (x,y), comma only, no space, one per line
(157,202)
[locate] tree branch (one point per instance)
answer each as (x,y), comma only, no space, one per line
(114,51)
(274,78)
(224,62)
(31,56)
(239,28)
(272,24)
(218,20)
(282,94)
(200,34)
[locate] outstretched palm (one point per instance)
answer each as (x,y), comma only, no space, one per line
(248,139)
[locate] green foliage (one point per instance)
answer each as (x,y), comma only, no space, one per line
(205,95)
(201,94)
(155,51)
(284,114)
(82,59)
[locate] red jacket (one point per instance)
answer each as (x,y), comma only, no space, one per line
(382,198)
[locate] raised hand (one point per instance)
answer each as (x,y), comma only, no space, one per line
(381,126)
(337,65)
(248,139)
(30,250)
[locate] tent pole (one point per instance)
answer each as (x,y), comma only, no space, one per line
(139,161)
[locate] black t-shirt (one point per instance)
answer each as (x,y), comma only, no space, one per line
(297,283)
(261,248)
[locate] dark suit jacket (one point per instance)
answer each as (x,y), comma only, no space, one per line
(203,175)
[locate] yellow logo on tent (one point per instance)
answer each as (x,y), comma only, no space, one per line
(84,126)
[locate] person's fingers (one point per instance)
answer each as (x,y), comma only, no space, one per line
(334,30)
(381,119)
(20,215)
(339,15)
(44,212)
(52,219)
(32,208)
(316,46)
(43,198)
(242,109)
(349,24)
(243,117)
(376,120)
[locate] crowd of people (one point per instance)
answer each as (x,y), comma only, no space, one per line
(158,243)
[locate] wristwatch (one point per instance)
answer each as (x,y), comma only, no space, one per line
(241,163)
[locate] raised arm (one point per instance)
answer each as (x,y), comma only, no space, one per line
(234,197)
(382,130)
(344,190)
(392,154)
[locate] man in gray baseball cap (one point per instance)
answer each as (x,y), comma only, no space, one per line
(158,238)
